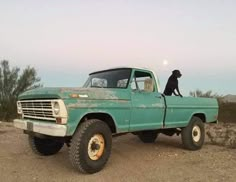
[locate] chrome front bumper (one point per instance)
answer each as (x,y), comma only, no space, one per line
(50,129)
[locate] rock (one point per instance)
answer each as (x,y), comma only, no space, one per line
(222,134)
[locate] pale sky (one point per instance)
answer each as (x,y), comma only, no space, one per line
(66,40)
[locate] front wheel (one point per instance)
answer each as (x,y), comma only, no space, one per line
(44,146)
(193,135)
(90,146)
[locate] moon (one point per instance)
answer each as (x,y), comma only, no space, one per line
(165,62)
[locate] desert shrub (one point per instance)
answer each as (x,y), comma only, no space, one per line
(207,94)
(12,83)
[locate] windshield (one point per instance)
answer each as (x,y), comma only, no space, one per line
(117,78)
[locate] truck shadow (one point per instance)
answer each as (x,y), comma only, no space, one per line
(162,141)
(127,148)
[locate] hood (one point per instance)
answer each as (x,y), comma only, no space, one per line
(79,93)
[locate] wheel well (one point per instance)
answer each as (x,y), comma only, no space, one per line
(103,117)
(201,116)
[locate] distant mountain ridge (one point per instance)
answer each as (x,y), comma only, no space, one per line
(229,99)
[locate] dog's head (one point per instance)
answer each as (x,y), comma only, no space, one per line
(176,73)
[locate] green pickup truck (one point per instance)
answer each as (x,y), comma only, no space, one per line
(111,102)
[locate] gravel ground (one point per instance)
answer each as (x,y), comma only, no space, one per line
(131,160)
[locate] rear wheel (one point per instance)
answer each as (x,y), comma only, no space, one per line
(193,135)
(44,146)
(91,146)
(148,136)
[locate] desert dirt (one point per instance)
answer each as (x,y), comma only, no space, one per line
(131,160)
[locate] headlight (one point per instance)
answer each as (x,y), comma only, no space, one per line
(56,108)
(19,108)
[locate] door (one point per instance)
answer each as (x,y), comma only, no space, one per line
(147,104)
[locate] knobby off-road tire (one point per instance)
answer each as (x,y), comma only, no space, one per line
(148,136)
(90,146)
(44,146)
(193,135)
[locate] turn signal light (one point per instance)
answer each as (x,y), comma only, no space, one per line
(61,120)
(58,120)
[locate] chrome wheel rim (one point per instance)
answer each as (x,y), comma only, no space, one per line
(196,133)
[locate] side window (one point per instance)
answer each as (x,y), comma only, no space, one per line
(142,81)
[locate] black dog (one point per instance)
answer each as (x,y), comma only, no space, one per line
(172,84)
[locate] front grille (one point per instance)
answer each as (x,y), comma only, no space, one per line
(37,109)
